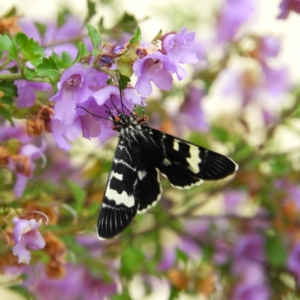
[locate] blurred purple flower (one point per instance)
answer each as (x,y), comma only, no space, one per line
(286,6)
(222,251)
(22,163)
(276,80)
(191,113)
(77,284)
(168,258)
(19,133)
(252,286)
(27,90)
(64,134)
(234,201)
(269,46)
(249,250)
(184,244)
(55,38)
(293,262)
(232,16)
(91,243)
(26,236)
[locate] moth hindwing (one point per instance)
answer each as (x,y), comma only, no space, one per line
(142,153)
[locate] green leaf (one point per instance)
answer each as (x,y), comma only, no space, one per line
(123,81)
(132,261)
(48,68)
(79,195)
(11,13)
(66,59)
(125,66)
(22,291)
(158,36)
(91,9)
(95,52)
(29,73)
(181,256)
(136,38)
(127,23)
(5,43)
(6,114)
(30,49)
(9,90)
(82,51)
(62,62)
(275,250)
(94,35)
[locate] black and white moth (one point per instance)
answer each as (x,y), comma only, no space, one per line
(133,185)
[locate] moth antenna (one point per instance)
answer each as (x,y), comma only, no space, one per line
(120,92)
(92,113)
(143,107)
(113,104)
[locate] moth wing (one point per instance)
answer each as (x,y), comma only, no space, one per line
(186,164)
(119,205)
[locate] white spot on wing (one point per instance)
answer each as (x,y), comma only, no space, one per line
(118,176)
(194,160)
(166,162)
(141,174)
(123,198)
(176,145)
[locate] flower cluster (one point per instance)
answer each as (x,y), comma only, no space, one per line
(232,239)
(18,153)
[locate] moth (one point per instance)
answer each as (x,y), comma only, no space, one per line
(142,153)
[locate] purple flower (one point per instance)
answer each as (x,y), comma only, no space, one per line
(276,80)
(269,46)
(111,96)
(154,67)
(249,250)
(26,236)
(288,5)
(78,283)
(232,16)
(159,65)
(191,113)
(252,285)
(55,39)
(168,258)
(75,88)
(26,92)
(22,163)
(64,134)
(293,263)
(180,49)
(234,201)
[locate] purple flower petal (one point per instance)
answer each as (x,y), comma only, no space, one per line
(26,237)
(192,113)
(78,282)
(156,68)
(26,92)
(233,14)
(286,6)
(64,134)
(180,47)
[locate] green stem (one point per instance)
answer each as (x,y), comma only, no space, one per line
(18,76)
